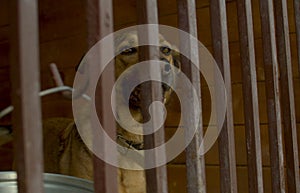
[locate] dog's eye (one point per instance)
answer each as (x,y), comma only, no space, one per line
(165,50)
(129,51)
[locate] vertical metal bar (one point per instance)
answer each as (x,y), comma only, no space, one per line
(287,95)
(221,55)
(147,14)
(195,163)
(272,92)
(100,24)
(25,96)
(297,20)
(251,112)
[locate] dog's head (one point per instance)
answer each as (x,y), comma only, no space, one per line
(127,47)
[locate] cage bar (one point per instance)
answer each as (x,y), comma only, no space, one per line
(25,96)
(272,93)
(100,24)
(287,95)
(148,14)
(195,163)
(297,22)
(226,137)
(251,112)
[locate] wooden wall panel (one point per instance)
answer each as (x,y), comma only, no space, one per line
(4,14)
(125,17)
(66,53)
(177,180)
(4,51)
(4,77)
(61,19)
(211,158)
(125,14)
(5,87)
(4,32)
(238,113)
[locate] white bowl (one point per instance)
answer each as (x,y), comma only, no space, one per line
(53,183)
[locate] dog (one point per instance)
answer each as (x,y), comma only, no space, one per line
(64,150)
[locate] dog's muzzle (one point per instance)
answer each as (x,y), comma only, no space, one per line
(135,95)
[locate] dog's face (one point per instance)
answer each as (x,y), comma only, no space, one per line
(127,46)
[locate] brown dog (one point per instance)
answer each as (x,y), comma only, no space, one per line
(64,150)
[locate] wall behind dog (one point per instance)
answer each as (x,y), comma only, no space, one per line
(63,41)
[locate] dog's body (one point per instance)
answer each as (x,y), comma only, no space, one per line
(64,150)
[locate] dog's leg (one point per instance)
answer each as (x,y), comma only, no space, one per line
(132,181)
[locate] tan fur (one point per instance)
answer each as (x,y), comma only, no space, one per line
(66,153)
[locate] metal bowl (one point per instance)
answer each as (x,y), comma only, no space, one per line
(53,183)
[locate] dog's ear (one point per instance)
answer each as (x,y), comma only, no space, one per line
(176,57)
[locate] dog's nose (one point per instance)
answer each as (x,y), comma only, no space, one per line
(167,67)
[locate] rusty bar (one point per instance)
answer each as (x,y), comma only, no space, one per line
(100,24)
(187,20)
(287,96)
(25,80)
(251,112)
(147,14)
(221,55)
(297,20)
(272,93)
